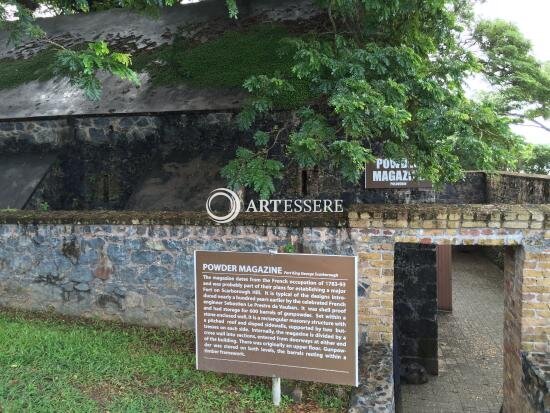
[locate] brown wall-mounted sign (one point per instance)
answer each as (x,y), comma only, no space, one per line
(386,173)
(292,316)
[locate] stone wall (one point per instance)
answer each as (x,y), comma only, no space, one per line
(135,274)
(104,160)
(415,304)
(513,188)
(495,255)
(369,231)
(536,382)
(106,129)
(137,267)
(470,190)
(33,136)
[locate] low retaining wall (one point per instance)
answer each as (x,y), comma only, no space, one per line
(536,382)
(138,267)
(133,273)
(516,188)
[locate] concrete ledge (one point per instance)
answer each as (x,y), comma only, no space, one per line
(419,216)
(436,216)
(167,218)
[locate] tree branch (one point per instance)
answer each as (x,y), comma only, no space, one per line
(538,124)
(331,17)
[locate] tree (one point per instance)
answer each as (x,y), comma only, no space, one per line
(537,160)
(389,73)
(522,83)
(383,74)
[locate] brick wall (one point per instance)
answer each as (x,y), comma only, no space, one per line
(536,299)
(513,264)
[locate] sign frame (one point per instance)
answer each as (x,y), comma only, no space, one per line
(355,326)
(370,183)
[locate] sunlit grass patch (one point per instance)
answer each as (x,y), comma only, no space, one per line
(51,364)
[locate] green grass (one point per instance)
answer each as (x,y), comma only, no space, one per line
(15,72)
(48,364)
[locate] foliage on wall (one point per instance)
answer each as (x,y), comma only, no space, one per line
(378,74)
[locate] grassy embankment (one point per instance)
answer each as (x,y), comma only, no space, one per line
(226,61)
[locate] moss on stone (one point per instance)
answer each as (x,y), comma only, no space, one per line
(15,72)
(24,217)
(409,213)
(225,62)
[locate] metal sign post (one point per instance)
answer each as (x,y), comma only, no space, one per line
(276,383)
(276,391)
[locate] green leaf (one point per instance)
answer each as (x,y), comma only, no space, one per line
(82,66)
(255,171)
(232,8)
(350,157)
(261,138)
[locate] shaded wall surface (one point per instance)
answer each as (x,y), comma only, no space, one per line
(515,188)
(20,175)
(136,162)
(415,304)
(536,381)
(172,161)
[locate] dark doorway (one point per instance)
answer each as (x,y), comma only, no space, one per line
(468,339)
(415,305)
